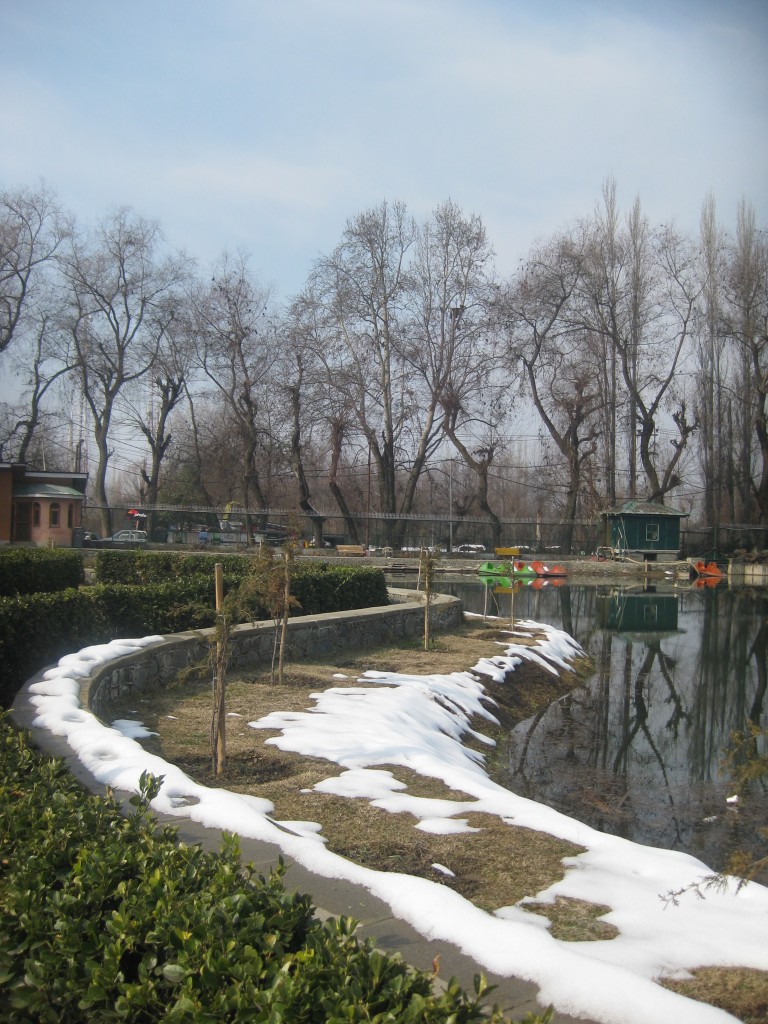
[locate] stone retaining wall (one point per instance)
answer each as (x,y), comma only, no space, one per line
(748,573)
(309,636)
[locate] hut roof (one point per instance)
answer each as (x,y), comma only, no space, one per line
(639,507)
(39,490)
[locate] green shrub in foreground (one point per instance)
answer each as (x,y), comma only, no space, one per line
(110,918)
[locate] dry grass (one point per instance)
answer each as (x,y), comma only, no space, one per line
(494,867)
(574,920)
(739,990)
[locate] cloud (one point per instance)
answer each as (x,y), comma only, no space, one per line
(243,176)
(268,125)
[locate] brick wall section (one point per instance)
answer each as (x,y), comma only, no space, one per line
(309,636)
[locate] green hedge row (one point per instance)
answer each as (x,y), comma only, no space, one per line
(317,586)
(39,570)
(38,629)
(323,587)
(110,918)
(136,566)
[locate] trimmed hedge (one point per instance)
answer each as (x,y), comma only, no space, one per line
(38,629)
(39,570)
(317,586)
(137,567)
(110,918)
(321,587)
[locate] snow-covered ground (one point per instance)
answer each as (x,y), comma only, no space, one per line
(418,721)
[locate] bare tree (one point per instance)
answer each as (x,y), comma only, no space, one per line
(404,311)
(746,325)
(665,347)
(299,378)
(362,286)
(235,338)
(32,229)
(119,286)
(711,398)
(41,370)
(450,348)
(323,401)
(159,394)
(637,299)
(603,289)
(192,461)
(558,359)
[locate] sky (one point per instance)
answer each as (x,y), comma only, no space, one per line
(264,125)
(419,722)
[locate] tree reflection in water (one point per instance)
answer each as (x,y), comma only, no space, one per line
(639,748)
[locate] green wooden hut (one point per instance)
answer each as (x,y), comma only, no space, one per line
(648,612)
(644,529)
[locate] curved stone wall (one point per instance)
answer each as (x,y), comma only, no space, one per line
(309,636)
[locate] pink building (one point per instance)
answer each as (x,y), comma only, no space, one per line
(40,508)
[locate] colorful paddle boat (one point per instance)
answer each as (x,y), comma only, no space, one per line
(515,569)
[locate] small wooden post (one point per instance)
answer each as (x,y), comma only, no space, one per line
(427,564)
(219,691)
(287,561)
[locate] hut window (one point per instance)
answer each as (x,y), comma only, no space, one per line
(36,513)
(70,515)
(652,531)
(53,514)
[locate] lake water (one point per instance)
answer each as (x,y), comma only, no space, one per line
(638,749)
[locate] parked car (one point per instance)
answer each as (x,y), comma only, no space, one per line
(470,549)
(128,537)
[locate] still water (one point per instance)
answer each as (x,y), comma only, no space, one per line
(638,748)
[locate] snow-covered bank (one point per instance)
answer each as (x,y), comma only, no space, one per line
(418,722)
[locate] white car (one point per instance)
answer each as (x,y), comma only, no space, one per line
(128,537)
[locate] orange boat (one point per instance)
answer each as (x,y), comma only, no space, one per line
(539,582)
(709,569)
(545,570)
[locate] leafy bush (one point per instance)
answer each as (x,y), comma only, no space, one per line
(318,586)
(138,567)
(110,918)
(38,629)
(321,587)
(39,570)
(141,593)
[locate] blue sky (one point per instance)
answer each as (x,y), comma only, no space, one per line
(266,124)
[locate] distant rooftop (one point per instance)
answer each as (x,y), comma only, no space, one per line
(40,490)
(640,507)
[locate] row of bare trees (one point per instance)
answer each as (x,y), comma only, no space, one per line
(636,356)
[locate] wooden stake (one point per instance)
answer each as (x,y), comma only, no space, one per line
(219,694)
